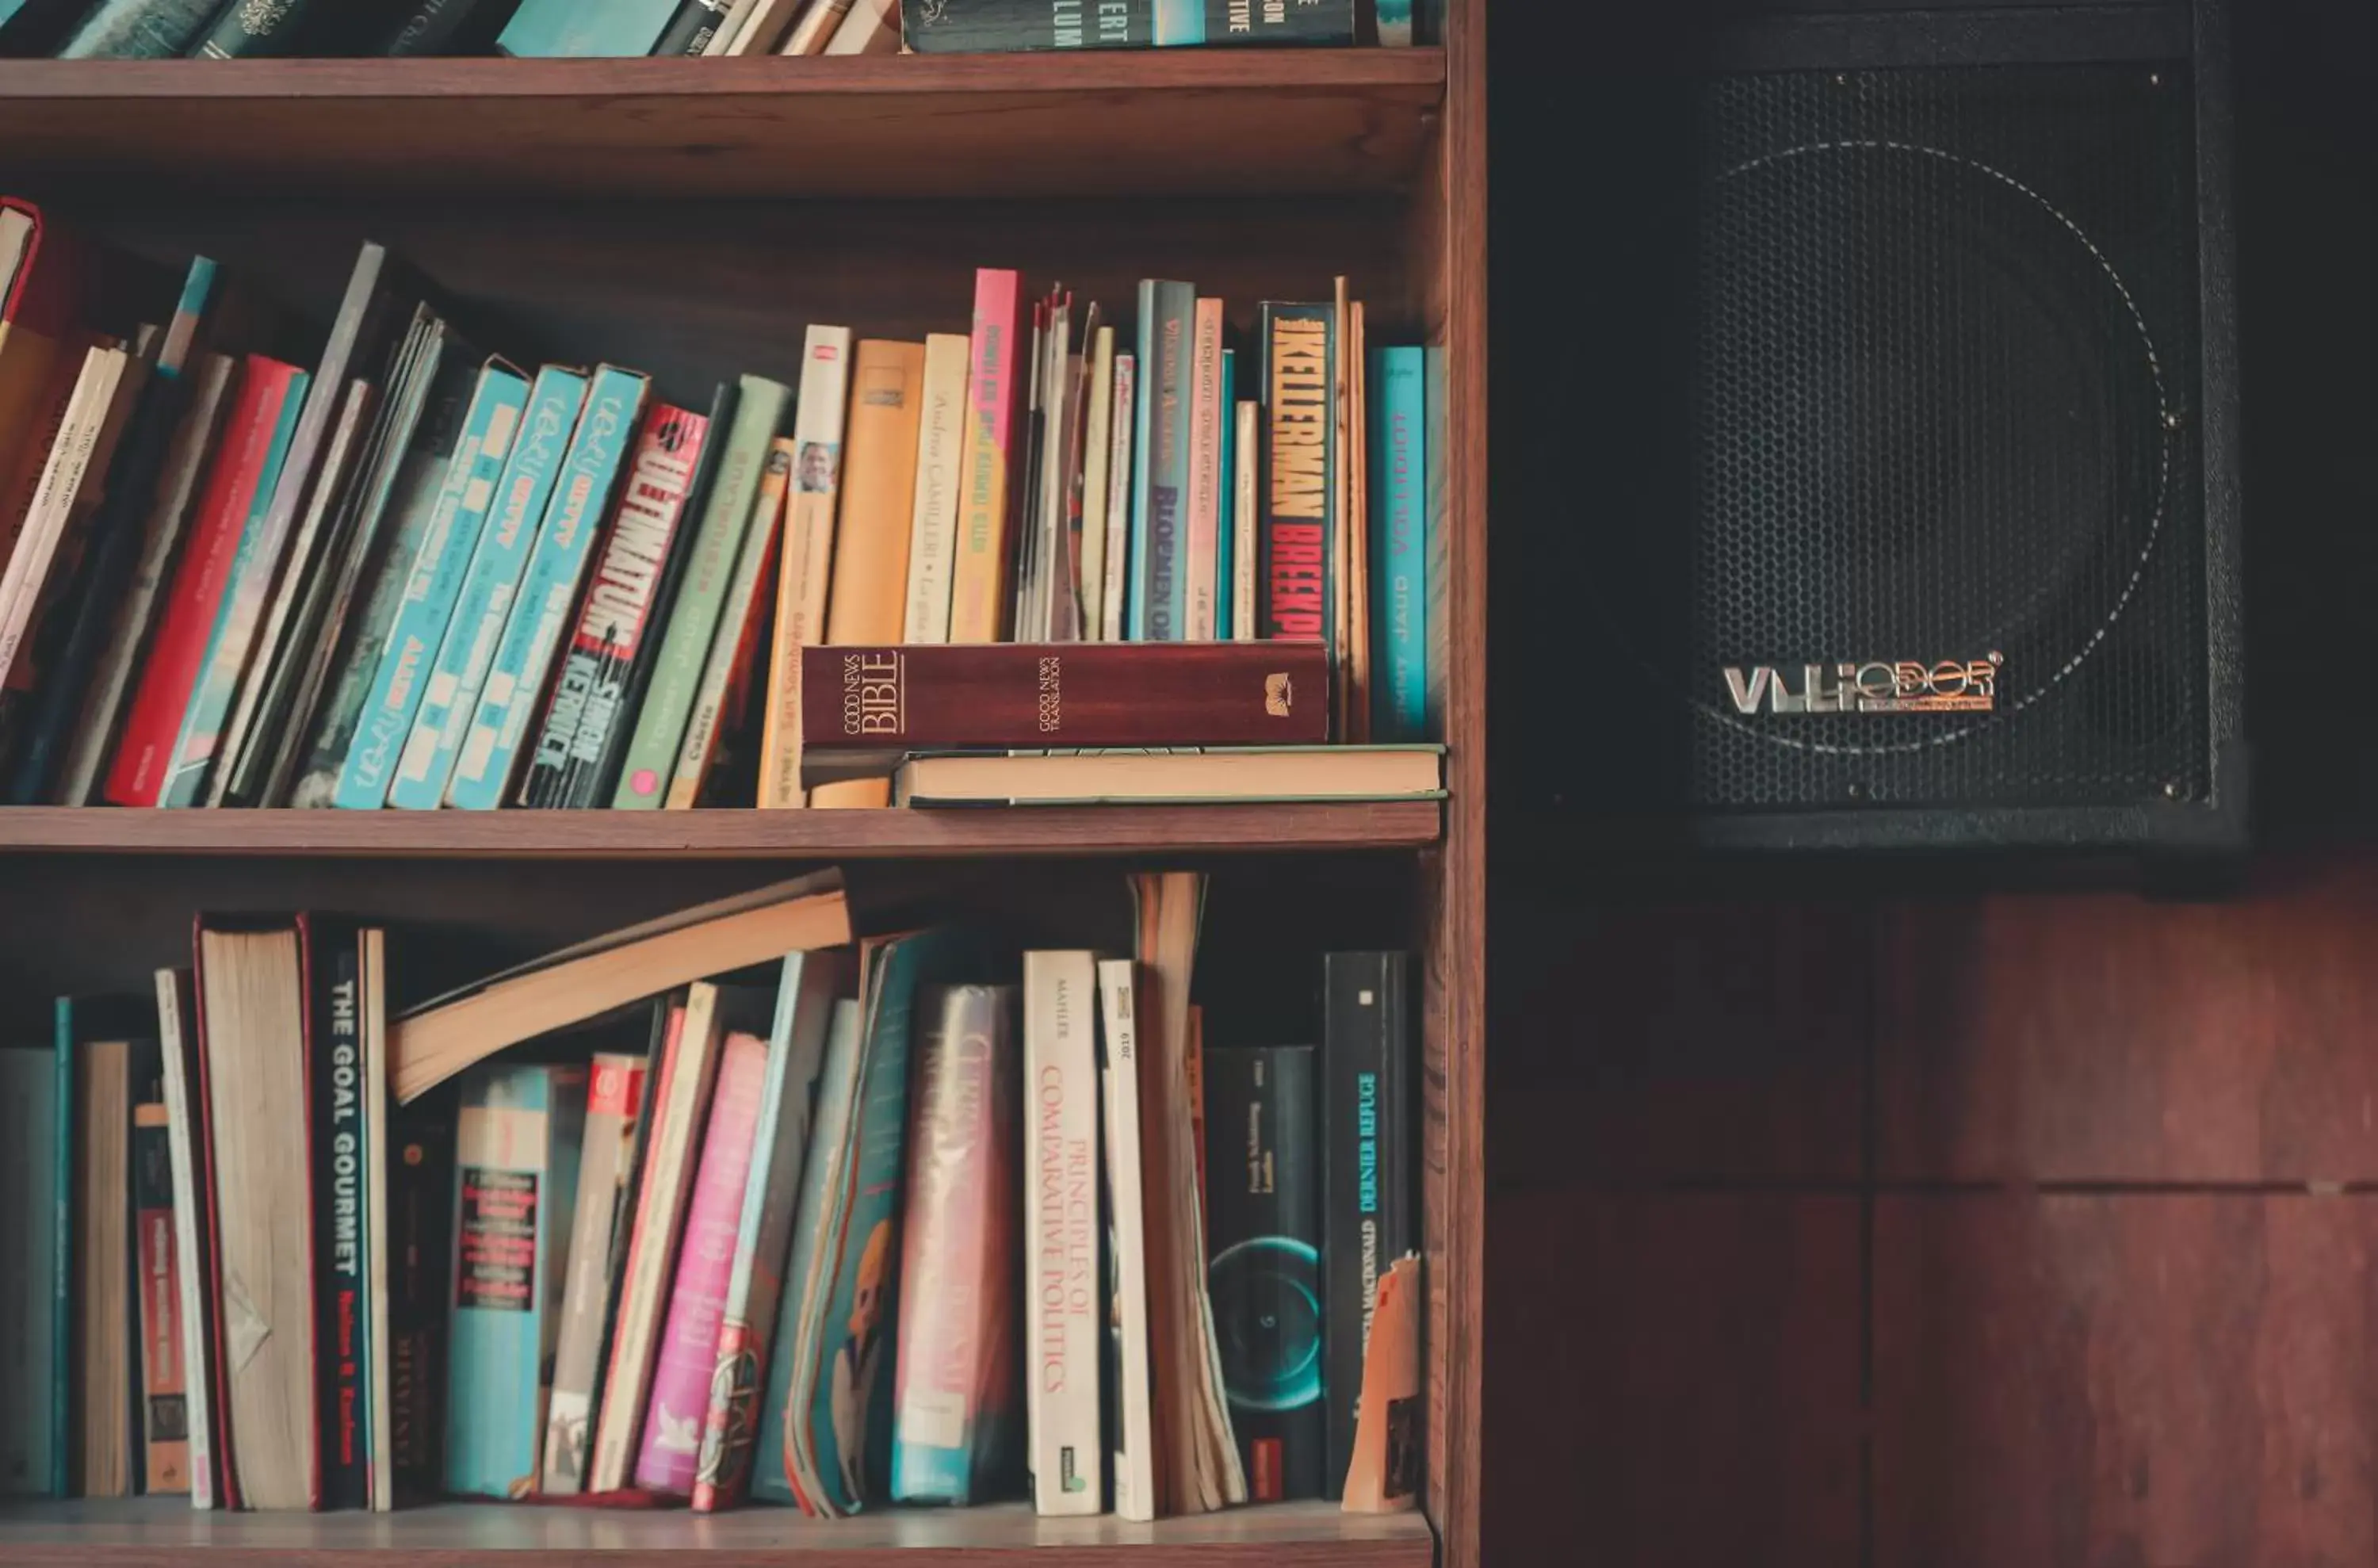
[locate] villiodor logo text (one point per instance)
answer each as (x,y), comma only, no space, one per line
(1869,686)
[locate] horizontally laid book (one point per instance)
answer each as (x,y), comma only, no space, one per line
(867,706)
(1283,775)
(440,1038)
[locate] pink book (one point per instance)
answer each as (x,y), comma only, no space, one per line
(690,1344)
(980,593)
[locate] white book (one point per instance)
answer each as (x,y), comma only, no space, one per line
(1135,1457)
(805,561)
(54,498)
(1098,452)
(872,27)
(1244,453)
(933,523)
(379,1378)
(1064,1296)
(197,1350)
(722,38)
(817,27)
(1117,558)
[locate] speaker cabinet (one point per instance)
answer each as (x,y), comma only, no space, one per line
(1896,421)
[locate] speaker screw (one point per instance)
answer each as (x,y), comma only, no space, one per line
(1858,791)
(2171,421)
(2171,789)
(2154,78)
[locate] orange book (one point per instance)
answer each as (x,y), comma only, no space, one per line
(869,602)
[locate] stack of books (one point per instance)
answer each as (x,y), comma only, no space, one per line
(420,575)
(758,1211)
(227,29)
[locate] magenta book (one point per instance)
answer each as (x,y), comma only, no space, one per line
(690,1344)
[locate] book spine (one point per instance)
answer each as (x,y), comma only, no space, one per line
(1400,545)
(1365,1168)
(516,679)
(979,581)
(586,28)
(933,525)
(870,556)
(1226,491)
(1000,26)
(594,671)
(1435,550)
(804,563)
(741,623)
(43,549)
(1264,1239)
(1246,454)
(252,28)
(432,584)
(1114,595)
(1066,1317)
(163,1378)
(689,31)
(487,593)
(62,1270)
(219,667)
(689,1349)
(1301,455)
(1395,18)
(28,1165)
(1201,567)
(1161,463)
(1136,1495)
(139,30)
(1098,455)
(420,1207)
(1023,695)
(712,560)
(614,1111)
(431,27)
(340,1242)
(185,1134)
(954,1392)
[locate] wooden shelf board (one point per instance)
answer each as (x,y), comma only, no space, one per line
(165,1529)
(1157,122)
(791,835)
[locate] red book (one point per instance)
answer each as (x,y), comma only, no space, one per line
(866,706)
(989,495)
(179,650)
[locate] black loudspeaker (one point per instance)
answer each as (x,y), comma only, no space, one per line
(1893,405)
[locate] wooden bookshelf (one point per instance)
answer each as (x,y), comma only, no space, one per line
(106,1535)
(690,218)
(794,834)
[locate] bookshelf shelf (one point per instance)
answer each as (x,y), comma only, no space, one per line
(1162,122)
(838,835)
(461,1535)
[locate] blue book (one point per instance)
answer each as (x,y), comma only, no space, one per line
(516,1145)
(202,721)
(430,587)
(1227,519)
(1160,465)
(540,616)
(608,29)
(30,1131)
(486,600)
(1400,529)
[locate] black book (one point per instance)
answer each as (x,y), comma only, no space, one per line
(420,1208)
(1263,1188)
(35,26)
(448,27)
(695,24)
(342,1308)
(1370,1205)
(1000,27)
(608,722)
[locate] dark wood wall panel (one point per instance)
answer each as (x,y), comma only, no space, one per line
(1673,1379)
(2132,1379)
(2116,1039)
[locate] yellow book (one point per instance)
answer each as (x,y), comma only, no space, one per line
(869,600)
(806,556)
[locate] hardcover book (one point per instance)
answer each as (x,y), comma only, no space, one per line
(488,591)
(1066,1297)
(880,703)
(434,579)
(420,1218)
(105,1337)
(954,1420)
(1161,461)
(516,1147)
(1400,530)
(615,1103)
(998,27)
(1263,1168)
(806,560)
(549,591)
(139,30)
(186,1137)
(601,660)
(1298,347)
(1370,1213)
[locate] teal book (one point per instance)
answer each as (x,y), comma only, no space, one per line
(1159,474)
(650,760)
(435,576)
(140,30)
(254,29)
(1227,521)
(516,1146)
(540,616)
(1399,544)
(202,722)
(30,1135)
(62,1253)
(1434,558)
(486,600)
(608,29)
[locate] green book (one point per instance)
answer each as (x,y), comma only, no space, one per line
(140,30)
(717,546)
(253,28)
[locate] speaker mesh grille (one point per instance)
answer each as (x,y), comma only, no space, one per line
(1925,389)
